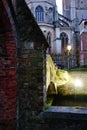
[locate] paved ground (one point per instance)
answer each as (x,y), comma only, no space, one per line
(62,124)
(65,118)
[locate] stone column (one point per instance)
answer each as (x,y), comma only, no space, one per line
(73,10)
(58,41)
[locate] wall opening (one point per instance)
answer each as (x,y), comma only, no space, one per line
(72,90)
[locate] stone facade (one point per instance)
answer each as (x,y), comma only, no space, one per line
(83,49)
(77,12)
(47,26)
(83,42)
(74,9)
(52,25)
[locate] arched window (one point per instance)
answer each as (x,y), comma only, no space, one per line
(64,41)
(81,4)
(39,14)
(50,16)
(49,38)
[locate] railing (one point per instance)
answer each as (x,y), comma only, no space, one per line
(63,60)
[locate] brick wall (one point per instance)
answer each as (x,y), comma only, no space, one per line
(31,66)
(30,84)
(21,90)
(8,83)
(83,48)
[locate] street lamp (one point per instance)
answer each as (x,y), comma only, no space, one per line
(69,49)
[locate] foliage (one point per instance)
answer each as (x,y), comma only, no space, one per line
(55,75)
(49,101)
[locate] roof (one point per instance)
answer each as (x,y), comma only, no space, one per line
(85,16)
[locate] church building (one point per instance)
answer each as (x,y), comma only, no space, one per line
(57,29)
(76,10)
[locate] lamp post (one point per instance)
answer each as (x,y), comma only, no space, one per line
(69,49)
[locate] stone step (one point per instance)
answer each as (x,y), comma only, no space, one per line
(65,112)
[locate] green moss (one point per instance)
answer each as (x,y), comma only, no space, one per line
(48,102)
(54,74)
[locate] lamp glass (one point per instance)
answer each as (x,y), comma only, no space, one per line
(69,47)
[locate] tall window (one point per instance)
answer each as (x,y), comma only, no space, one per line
(39,14)
(64,41)
(49,41)
(49,38)
(81,4)
(66,4)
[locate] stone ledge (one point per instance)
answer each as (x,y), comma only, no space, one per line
(69,113)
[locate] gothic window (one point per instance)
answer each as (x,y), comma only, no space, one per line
(81,4)
(50,15)
(50,10)
(49,38)
(39,14)
(64,41)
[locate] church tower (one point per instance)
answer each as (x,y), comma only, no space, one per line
(74,8)
(76,11)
